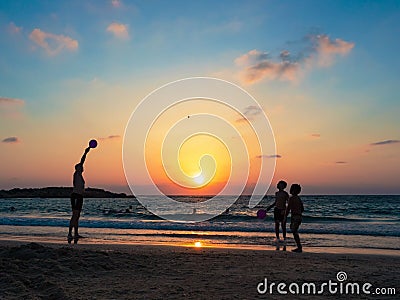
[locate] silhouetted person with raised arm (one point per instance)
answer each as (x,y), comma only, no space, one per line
(281,198)
(77,198)
(296,208)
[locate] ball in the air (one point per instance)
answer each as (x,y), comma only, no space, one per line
(92,143)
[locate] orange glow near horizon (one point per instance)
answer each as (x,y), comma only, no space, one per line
(202,166)
(181,159)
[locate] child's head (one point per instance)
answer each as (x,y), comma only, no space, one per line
(281,185)
(295,189)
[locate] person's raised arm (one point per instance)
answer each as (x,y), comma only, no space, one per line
(84,155)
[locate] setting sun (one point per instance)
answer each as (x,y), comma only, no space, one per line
(199,179)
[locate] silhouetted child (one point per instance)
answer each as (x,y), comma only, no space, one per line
(295,206)
(281,198)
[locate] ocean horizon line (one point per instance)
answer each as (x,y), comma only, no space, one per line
(88,189)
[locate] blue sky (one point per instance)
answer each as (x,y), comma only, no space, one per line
(82,66)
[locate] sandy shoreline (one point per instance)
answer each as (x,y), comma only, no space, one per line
(55,271)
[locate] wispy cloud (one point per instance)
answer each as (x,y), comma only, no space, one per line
(11,140)
(52,43)
(116,3)
(118,30)
(11,107)
(321,52)
(258,66)
(110,137)
(251,57)
(242,120)
(249,113)
(315,135)
(328,49)
(269,156)
(14,29)
(252,110)
(4,101)
(387,142)
(341,162)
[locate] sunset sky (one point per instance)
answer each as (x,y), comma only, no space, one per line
(326,74)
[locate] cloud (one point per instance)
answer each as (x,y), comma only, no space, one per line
(285,71)
(11,107)
(110,137)
(257,66)
(243,119)
(11,140)
(387,142)
(52,43)
(14,29)
(116,3)
(249,113)
(252,110)
(315,135)
(269,156)
(4,101)
(341,162)
(118,30)
(251,57)
(321,51)
(328,49)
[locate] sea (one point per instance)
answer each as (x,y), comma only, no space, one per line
(331,223)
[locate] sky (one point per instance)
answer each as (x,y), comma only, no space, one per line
(325,74)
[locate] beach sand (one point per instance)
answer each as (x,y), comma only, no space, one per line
(55,271)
